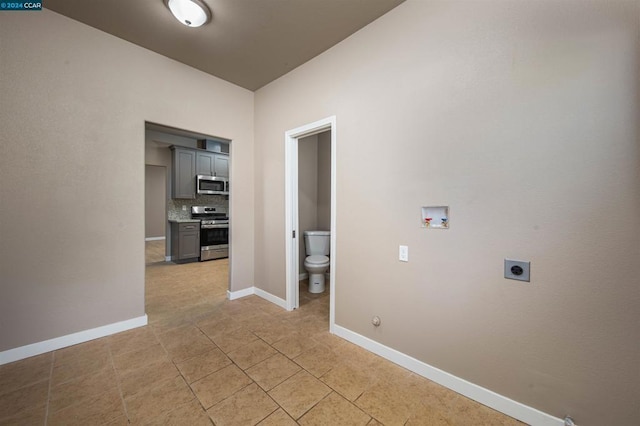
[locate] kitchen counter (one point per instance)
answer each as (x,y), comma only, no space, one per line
(184,220)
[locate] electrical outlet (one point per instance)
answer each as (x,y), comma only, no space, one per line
(184,208)
(517,270)
(404,253)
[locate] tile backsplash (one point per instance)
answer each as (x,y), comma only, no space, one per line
(174,206)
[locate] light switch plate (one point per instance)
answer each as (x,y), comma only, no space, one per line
(517,270)
(404,253)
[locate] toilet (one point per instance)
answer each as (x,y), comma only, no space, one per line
(316,244)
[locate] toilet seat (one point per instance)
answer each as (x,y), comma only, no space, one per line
(317,260)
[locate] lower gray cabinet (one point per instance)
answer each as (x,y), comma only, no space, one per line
(185,241)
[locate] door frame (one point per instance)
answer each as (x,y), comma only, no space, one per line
(291,212)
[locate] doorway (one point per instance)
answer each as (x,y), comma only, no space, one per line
(293,232)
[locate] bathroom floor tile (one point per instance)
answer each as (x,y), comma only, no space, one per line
(299,393)
(334,410)
(273,371)
(247,407)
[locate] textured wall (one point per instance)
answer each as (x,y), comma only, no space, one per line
(523,118)
(73,111)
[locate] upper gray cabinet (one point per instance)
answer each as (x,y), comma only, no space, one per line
(184,173)
(212,164)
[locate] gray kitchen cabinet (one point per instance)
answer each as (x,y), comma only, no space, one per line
(212,164)
(184,173)
(185,241)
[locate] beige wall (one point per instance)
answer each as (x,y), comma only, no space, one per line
(73,111)
(523,118)
(307,191)
(155,201)
(324,181)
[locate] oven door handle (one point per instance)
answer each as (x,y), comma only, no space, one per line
(222,225)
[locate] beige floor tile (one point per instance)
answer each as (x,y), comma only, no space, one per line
(25,372)
(82,388)
(20,400)
(132,361)
(144,378)
(273,371)
(220,385)
(247,407)
(273,330)
(278,418)
(334,410)
(132,340)
(30,417)
(348,380)
(158,400)
(202,365)
(185,343)
(216,326)
(104,408)
(427,415)
(81,353)
(385,403)
(251,354)
(81,363)
(293,345)
(299,393)
(190,413)
(232,340)
(374,422)
(317,360)
(464,411)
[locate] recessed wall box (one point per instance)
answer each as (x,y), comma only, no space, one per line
(435,217)
(517,270)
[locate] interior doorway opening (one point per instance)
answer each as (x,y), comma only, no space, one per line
(325,128)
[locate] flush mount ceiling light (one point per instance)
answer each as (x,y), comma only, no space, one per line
(192,13)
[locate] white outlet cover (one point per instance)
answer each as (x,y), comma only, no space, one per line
(403,254)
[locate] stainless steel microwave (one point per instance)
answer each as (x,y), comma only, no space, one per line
(212,185)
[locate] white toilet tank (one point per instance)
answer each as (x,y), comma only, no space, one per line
(317,242)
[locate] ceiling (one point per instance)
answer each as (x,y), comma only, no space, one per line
(248,42)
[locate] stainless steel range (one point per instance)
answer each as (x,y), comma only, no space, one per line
(214,231)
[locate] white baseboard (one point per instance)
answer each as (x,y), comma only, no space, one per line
(484,396)
(271,298)
(233,295)
(155,238)
(70,339)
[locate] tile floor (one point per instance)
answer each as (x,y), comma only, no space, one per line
(203,359)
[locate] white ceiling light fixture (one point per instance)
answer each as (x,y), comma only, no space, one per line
(192,13)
